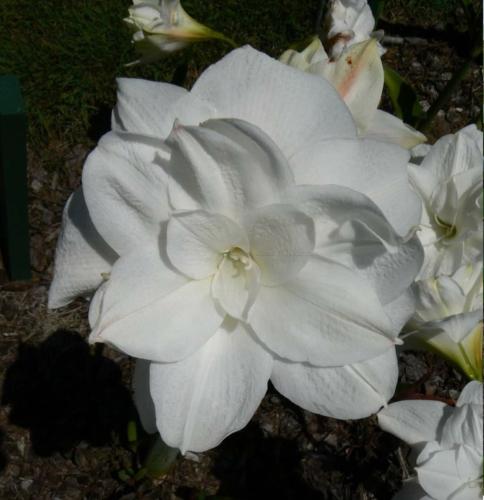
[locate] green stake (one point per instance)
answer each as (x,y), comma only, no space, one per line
(14,228)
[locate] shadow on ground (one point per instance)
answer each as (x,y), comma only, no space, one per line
(3,456)
(251,466)
(64,394)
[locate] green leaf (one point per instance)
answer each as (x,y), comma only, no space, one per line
(403,97)
(160,458)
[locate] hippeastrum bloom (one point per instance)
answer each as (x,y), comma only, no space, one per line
(347,23)
(163,26)
(237,233)
(449,181)
(357,75)
(448,441)
(448,318)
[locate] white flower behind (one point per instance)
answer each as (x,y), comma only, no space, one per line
(237,233)
(448,318)
(448,441)
(357,75)
(163,26)
(347,23)
(449,181)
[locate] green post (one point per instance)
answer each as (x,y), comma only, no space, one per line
(14,228)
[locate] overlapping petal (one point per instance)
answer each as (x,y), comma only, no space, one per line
(376,169)
(413,421)
(225,166)
(290,106)
(281,241)
(201,400)
(317,318)
(353,231)
(197,240)
(140,311)
(346,392)
(82,255)
(125,195)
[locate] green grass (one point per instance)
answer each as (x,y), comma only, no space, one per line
(67,53)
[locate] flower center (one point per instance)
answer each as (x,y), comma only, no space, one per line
(237,255)
(448,230)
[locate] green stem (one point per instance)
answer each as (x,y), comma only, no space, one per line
(449,89)
(445,95)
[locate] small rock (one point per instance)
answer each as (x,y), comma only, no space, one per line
(193,457)
(25,484)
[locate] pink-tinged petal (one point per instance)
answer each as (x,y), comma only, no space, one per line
(291,106)
(225,166)
(151,312)
(196,241)
(386,127)
(126,196)
(358,77)
(413,421)
(376,169)
(327,316)
(82,256)
(201,400)
(345,392)
(281,241)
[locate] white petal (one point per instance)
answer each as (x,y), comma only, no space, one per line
(82,256)
(235,287)
(327,316)
(386,127)
(351,230)
(196,241)
(439,475)
(400,310)
(125,195)
(142,396)
(151,312)
(471,394)
(281,241)
(146,107)
(463,427)
(291,106)
(201,400)
(225,166)
(413,421)
(345,392)
(376,169)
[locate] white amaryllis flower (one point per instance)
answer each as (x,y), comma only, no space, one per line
(163,26)
(448,441)
(357,75)
(449,181)
(238,233)
(347,23)
(448,318)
